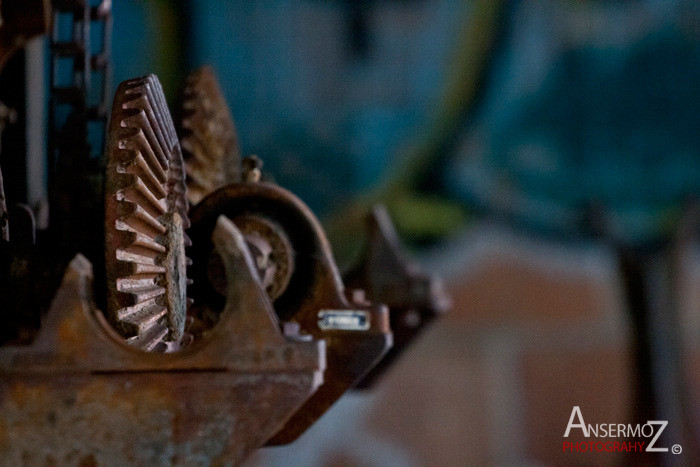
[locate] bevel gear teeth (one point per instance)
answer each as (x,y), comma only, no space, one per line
(145,218)
(208,135)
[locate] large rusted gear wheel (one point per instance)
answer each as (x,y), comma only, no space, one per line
(208,134)
(145,218)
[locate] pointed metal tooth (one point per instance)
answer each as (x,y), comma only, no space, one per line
(148,175)
(143,313)
(139,193)
(133,217)
(144,293)
(138,239)
(150,338)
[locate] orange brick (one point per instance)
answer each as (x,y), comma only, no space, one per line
(516,279)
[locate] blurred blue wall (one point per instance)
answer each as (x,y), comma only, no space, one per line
(584,102)
(327,121)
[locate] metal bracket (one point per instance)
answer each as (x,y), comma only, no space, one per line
(387,276)
(80,393)
(314,286)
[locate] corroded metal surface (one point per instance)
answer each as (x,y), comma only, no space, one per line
(79,394)
(357,334)
(209,139)
(387,276)
(145,217)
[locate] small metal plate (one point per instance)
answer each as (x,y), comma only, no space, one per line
(343,320)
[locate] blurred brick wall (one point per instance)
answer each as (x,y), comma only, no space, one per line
(536,329)
(689,325)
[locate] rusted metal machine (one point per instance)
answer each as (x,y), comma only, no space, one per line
(386,275)
(304,281)
(77,391)
(292,254)
(80,394)
(110,354)
(77,386)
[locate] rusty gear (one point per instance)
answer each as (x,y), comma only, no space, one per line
(145,216)
(209,139)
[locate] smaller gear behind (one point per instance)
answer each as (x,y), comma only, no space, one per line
(209,139)
(145,217)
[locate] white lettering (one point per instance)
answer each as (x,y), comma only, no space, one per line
(576,410)
(662,424)
(633,432)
